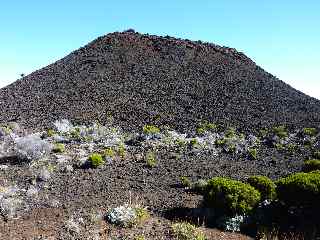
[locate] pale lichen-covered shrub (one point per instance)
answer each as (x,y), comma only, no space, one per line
(231,224)
(63,125)
(123,216)
(9,202)
(31,147)
(127,216)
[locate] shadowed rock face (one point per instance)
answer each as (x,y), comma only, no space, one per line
(140,79)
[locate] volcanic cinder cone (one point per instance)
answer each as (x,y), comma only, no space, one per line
(140,79)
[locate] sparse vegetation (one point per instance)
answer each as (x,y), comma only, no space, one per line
(280,131)
(51,133)
(150,129)
(263,132)
(253,152)
(231,202)
(185,181)
(316,154)
(311,165)
(122,150)
(151,159)
(206,126)
(193,142)
(186,231)
(109,152)
(58,148)
(310,131)
(139,237)
(142,214)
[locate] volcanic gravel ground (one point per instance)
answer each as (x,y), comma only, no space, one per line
(136,79)
(141,78)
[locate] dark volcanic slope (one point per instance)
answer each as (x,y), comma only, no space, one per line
(141,78)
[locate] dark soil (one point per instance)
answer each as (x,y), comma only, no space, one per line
(141,78)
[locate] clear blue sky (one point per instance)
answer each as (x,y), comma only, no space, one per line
(281,36)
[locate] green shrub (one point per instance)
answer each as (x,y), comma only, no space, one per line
(139,237)
(193,142)
(6,129)
(76,134)
(316,154)
(311,165)
(253,152)
(142,214)
(280,147)
(122,150)
(221,142)
(199,186)
(292,148)
(300,189)
(109,152)
(263,132)
(185,181)
(150,129)
(280,131)
(230,196)
(96,160)
(264,185)
(151,159)
(186,231)
(230,133)
(180,143)
(58,148)
(50,133)
(310,131)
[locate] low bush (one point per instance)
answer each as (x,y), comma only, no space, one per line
(109,152)
(32,147)
(50,133)
(58,148)
(230,196)
(186,231)
(253,152)
(311,165)
(264,185)
(96,160)
(185,182)
(127,216)
(121,150)
(151,159)
(310,131)
(300,189)
(316,154)
(231,132)
(193,142)
(199,186)
(150,129)
(280,131)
